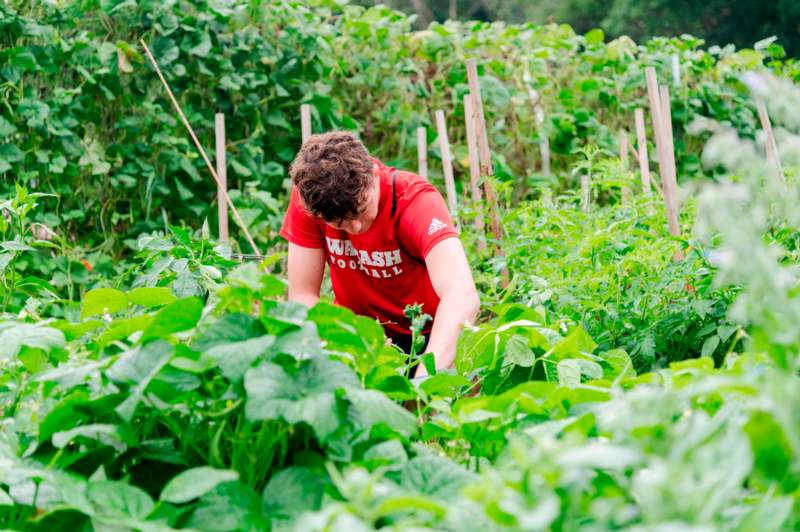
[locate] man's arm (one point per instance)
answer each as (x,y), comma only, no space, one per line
(452,280)
(306,267)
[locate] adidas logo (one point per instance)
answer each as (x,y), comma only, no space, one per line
(436,225)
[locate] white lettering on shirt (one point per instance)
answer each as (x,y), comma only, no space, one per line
(376,264)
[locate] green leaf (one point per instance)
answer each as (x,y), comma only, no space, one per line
(195,483)
(120,499)
(443,384)
(709,346)
(10,153)
(103,301)
(569,372)
(151,297)
(229,506)
(111,435)
(294,491)
(123,328)
(578,341)
(139,367)
(15,336)
(235,358)
(434,476)
(620,362)
(373,408)
(517,351)
(181,315)
(202,48)
(595,36)
(306,396)
(6,128)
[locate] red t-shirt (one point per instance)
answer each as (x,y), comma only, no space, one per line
(379,272)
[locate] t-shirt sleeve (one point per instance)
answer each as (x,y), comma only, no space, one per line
(425,221)
(300,227)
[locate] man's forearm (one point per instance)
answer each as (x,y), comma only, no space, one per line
(308,299)
(453,311)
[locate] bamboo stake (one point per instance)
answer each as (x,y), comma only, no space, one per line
(422,152)
(586,190)
(623,157)
(483,145)
(660,113)
(485,155)
(676,70)
(641,145)
(305,121)
(544,143)
(773,160)
(447,162)
(222,172)
(669,179)
(474,170)
(233,208)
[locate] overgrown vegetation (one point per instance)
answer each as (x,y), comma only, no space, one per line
(151,381)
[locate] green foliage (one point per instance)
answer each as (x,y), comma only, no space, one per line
(85,118)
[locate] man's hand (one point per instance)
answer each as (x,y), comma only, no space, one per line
(306,267)
(459,303)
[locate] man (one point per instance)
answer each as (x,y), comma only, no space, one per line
(387,238)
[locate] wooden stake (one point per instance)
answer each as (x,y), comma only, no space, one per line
(483,146)
(474,170)
(669,179)
(773,160)
(623,157)
(422,152)
(586,190)
(447,162)
(641,145)
(186,124)
(305,121)
(222,172)
(485,158)
(676,70)
(544,142)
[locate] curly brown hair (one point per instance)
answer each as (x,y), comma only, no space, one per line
(332,172)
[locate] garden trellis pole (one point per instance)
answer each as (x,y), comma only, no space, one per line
(771,147)
(305,121)
(676,70)
(474,171)
(210,167)
(641,149)
(623,159)
(422,152)
(222,172)
(479,120)
(447,162)
(662,128)
(544,141)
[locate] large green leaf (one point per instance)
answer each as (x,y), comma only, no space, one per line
(15,336)
(178,316)
(229,506)
(435,476)
(373,407)
(103,301)
(305,396)
(294,490)
(138,367)
(235,358)
(150,297)
(195,483)
(119,499)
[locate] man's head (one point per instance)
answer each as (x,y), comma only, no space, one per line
(334,174)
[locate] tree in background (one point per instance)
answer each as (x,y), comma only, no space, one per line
(741,22)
